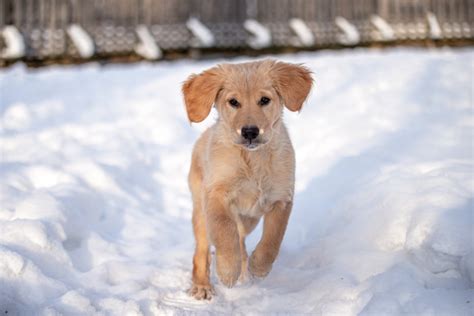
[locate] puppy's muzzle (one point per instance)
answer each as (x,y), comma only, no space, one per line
(251,137)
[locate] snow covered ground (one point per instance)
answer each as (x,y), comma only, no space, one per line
(95,211)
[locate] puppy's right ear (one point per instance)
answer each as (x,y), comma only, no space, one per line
(200,93)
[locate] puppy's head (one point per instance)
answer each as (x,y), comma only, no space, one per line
(249,97)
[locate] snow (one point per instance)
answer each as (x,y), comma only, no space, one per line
(350,34)
(261,35)
(302,31)
(383,27)
(201,32)
(14,43)
(82,40)
(95,210)
(435,28)
(147,47)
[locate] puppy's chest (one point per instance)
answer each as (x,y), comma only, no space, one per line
(252,194)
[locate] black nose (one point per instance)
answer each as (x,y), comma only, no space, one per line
(250,132)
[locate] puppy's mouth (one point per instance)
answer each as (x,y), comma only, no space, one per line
(251,144)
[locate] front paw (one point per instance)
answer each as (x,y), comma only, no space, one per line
(201,292)
(228,269)
(260,264)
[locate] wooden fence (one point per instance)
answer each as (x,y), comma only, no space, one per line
(82,29)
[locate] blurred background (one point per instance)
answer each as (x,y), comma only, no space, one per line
(45,31)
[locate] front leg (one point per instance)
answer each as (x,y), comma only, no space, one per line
(274,227)
(224,236)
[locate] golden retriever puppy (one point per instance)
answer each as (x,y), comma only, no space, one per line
(243,167)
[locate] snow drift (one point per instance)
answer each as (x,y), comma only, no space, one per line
(95,211)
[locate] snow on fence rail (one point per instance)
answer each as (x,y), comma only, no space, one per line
(41,29)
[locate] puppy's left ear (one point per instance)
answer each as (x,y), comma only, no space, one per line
(200,92)
(293,83)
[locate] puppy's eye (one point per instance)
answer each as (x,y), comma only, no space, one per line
(234,103)
(264,101)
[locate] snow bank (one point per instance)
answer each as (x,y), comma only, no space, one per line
(95,211)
